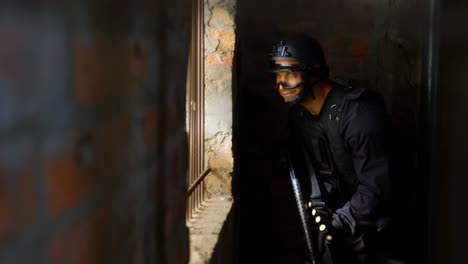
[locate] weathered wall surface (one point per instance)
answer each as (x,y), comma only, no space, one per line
(219,50)
(373,43)
(93,149)
(449,199)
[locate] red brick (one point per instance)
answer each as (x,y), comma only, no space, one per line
(68,182)
(219,59)
(213,59)
(226,39)
(359,47)
(228,59)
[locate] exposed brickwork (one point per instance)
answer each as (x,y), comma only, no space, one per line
(92,132)
(359,47)
(68,182)
(219,59)
(219,54)
(226,38)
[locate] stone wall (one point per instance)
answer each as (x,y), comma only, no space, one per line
(219,49)
(93,149)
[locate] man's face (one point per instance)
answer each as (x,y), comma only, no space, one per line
(290,78)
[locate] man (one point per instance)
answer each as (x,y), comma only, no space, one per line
(339,132)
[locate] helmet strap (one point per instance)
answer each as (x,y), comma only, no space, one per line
(306,92)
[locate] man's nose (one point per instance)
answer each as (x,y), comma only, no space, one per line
(280,85)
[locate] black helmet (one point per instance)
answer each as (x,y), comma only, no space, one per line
(308,52)
(303,49)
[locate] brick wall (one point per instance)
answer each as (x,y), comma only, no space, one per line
(93,148)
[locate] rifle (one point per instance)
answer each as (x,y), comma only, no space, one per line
(317,252)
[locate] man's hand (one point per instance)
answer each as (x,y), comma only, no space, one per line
(339,227)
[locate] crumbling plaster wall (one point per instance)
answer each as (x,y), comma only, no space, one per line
(219,49)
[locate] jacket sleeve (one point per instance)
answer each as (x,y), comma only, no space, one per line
(363,128)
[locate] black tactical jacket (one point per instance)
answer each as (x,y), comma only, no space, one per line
(345,143)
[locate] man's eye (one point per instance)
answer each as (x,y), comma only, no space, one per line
(292,74)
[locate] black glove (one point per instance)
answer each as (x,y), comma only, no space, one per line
(339,226)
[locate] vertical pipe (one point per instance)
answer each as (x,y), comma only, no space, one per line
(430,115)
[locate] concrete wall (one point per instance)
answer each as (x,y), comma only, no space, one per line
(93,149)
(449,199)
(378,44)
(219,51)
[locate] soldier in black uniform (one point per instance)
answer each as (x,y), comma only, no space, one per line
(340,132)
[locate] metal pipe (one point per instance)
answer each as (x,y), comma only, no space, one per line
(430,111)
(198,181)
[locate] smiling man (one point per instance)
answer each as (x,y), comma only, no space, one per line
(290,80)
(339,132)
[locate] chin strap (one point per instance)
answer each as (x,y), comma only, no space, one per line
(295,100)
(307,91)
